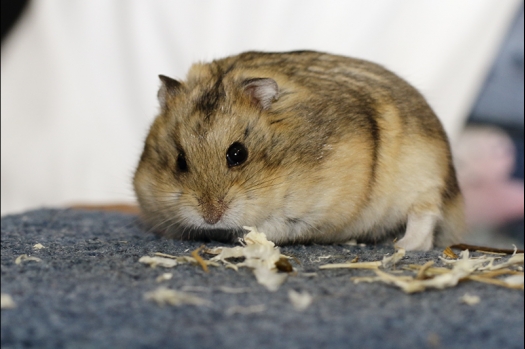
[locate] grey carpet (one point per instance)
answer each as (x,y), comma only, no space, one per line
(87,292)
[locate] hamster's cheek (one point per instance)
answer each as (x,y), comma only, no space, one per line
(184,209)
(144,189)
(157,199)
(257,207)
(269,217)
(241,212)
(235,216)
(188,216)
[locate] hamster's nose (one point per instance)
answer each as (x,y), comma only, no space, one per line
(212,211)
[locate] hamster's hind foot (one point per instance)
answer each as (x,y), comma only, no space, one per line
(419,234)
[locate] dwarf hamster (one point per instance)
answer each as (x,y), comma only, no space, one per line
(308,147)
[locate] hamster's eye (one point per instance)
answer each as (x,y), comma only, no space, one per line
(236,154)
(182,165)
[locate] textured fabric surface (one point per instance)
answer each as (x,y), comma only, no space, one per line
(88,292)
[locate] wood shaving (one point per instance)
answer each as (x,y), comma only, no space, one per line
(494,253)
(517,280)
(259,254)
(496,282)
(164,296)
(421,274)
(158,261)
(309,275)
(390,261)
(233,290)
(189,259)
(179,259)
(318,259)
(465,256)
(195,288)
(253,309)
(470,299)
(229,252)
(213,251)
(480,276)
(269,279)
(26,258)
(461,269)
(6,301)
(481,269)
(352,242)
(300,301)
(359,265)
(369,279)
(38,246)
(160,254)
(164,277)
(449,253)
(485,249)
(265,260)
(169,261)
(407,285)
(198,258)
(514,260)
(254,237)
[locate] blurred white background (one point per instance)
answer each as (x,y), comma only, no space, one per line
(79,78)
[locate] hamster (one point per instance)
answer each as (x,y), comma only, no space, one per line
(308,147)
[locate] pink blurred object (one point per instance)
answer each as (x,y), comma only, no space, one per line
(485,159)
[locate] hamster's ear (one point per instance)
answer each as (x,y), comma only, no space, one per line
(263,91)
(170,87)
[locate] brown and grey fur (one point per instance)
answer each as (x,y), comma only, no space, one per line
(338,148)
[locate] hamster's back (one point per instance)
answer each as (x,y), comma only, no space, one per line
(327,78)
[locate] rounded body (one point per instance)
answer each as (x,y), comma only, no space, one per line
(333,148)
